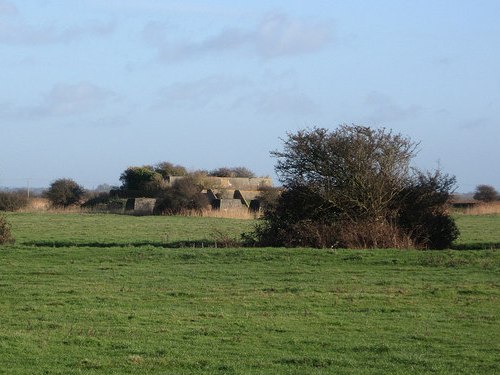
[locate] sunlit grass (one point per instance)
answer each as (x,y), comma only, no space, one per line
(133,306)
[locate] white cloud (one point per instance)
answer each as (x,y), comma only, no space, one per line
(275,36)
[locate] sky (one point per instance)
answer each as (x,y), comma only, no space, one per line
(91,87)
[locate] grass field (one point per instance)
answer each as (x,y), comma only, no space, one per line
(106,294)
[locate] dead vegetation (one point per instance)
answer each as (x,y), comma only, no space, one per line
(483,209)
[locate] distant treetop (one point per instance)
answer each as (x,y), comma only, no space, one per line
(167,169)
(232,172)
(485,193)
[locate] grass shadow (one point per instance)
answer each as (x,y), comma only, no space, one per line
(477,246)
(167,245)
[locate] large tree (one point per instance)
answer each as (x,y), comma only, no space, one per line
(350,187)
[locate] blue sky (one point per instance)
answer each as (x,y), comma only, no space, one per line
(91,87)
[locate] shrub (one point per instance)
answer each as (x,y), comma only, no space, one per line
(167,169)
(422,210)
(354,187)
(5,232)
(142,181)
(96,199)
(485,193)
(64,192)
(185,194)
(268,198)
(13,201)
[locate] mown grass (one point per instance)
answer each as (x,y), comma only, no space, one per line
(142,308)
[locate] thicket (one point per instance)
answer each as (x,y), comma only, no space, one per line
(13,201)
(354,187)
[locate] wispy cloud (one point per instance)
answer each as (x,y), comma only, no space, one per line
(24,34)
(7,8)
(62,100)
(279,102)
(70,99)
(383,109)
(199,93)
(478,123)
(236,94)
(275,36)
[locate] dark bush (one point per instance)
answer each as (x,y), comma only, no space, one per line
(13,201)
(423,210)
(184,195)
(268,198)
(96,199)
(5,232)
(65,192)
(296,219)
(142,182)
(485,193)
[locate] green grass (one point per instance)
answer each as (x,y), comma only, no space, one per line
(103,230)
(71,306)
(478,231)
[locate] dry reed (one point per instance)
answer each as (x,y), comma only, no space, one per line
(483,209)
(38,204)
(243,214)
(43,205)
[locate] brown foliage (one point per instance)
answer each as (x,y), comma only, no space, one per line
(5,232)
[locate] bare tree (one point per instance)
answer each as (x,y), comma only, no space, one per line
(357,169)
